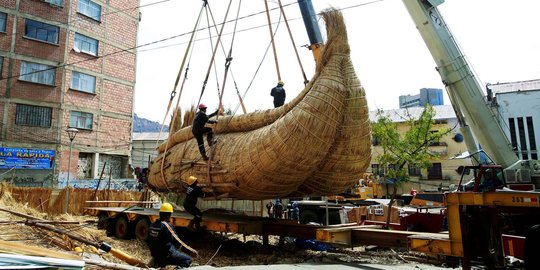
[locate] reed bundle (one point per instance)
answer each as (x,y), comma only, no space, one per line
(318,144)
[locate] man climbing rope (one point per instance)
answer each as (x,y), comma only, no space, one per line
(278,93)
(164,242)
(199,129)
(194,192)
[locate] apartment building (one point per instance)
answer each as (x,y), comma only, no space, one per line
(443,170)
(66,64)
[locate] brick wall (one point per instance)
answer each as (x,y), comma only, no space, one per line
(39,49)
(5,38)
(34,91)
(115,133)
(114,74)
(84,137)
(79,21)
(125,6)
(3,75)
(119,65)
(117,98)
(45,10)
(64,158)
(31,134)
(117,23)
(84,60)
(8,3)
(79,98)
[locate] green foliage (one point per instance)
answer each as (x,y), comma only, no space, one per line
(409,148)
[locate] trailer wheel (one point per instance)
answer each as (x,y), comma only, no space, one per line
(122,229)
(141,229)
(532,260)
(308,216)
(103,221)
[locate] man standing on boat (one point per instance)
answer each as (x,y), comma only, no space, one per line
(199,129)
(278,93)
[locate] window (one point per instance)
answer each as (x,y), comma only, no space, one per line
(3,17)
(414,170)
(41,31)
(80,120)
(85,44)
(513,136)
(435,171)
(27,115)
(54,2)
(376,170)
(89,9)
(83,82)
(522,138)
(532,139)
(38,73)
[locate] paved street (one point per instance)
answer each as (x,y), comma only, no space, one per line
(326,267)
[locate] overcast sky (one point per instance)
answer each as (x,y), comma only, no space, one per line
(499,37)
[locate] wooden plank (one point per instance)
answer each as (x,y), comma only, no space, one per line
(11,247)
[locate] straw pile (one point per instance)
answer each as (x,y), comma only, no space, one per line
(78,198)
(317,144)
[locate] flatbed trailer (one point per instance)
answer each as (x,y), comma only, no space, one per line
(488,225)
(128,222)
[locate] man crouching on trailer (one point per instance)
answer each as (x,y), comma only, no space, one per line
(164,242)
(194,192)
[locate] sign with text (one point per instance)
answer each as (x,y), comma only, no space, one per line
(22,158)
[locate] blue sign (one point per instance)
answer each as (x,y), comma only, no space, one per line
(22,158)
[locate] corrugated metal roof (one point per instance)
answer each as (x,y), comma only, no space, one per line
(400,115)
(149,136)
(531,85)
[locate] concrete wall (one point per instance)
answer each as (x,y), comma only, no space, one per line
(516,105)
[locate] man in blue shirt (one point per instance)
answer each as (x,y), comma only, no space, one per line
(164,242)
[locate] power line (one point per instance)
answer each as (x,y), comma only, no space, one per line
(82,17)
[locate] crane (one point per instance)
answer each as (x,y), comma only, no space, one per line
(477,120)
(488,224)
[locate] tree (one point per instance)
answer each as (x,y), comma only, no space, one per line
(408,148)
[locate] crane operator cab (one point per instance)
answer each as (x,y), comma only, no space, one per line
(486,178)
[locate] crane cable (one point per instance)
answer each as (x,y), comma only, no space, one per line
(209,11)
(214,53)
(240,98)
(173,94)
(293,43)
(272,39)
(229,58)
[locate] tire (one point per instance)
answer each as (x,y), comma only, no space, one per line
(307,216)
(122,229)
(141,229)
(103,221)
(532,260)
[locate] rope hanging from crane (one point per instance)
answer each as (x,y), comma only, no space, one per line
(173,93)
(214,53)
(272,39)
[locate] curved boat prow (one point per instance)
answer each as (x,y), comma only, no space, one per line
(317,144)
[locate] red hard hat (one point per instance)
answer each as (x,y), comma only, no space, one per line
(202,106)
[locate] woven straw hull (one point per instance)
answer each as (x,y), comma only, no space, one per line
(317,144)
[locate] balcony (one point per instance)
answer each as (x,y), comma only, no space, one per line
(438,148)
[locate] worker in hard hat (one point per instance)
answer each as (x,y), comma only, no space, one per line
(199,129)
(193,192)
(278,93)
(164,243)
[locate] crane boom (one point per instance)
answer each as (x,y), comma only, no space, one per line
(464,90)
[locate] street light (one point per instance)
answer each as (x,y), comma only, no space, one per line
(72,132)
